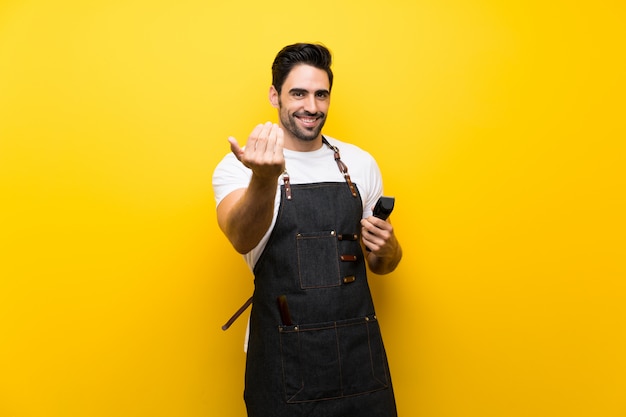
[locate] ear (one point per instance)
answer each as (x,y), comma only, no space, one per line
(273,96)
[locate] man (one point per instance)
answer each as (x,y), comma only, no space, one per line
(304,224)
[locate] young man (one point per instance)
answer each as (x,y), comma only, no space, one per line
(304,224)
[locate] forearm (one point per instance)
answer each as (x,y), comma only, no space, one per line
(245,215)
(386,262)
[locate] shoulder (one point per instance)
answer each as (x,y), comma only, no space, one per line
(229,165)
(352,153)
(228,176)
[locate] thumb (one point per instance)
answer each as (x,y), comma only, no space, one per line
(235,148)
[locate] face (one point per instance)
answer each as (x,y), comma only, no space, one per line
(303,102)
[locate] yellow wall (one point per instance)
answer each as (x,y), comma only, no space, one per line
(499,127)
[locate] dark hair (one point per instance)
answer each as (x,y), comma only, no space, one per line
(315,55)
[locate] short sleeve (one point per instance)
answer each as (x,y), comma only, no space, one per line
(229,175)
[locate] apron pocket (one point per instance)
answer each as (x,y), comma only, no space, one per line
(318,260)
(332,360)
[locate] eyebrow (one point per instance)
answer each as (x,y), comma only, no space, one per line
(302,90)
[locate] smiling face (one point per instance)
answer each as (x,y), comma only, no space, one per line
(302,106)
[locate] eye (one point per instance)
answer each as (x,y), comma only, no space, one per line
(322,94)
(297,93)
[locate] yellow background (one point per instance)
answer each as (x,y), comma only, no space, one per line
(499,127)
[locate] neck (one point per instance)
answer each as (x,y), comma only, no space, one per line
(294,144)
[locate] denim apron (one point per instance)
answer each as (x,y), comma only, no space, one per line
(315,347)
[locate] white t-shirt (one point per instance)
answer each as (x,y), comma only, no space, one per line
(303,168)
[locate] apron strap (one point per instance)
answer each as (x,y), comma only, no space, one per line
(342,167)
(237,314)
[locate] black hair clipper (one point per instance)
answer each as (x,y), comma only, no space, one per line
(384,207)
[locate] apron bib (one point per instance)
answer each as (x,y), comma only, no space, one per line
(315,347)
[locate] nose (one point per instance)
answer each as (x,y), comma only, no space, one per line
(310,104)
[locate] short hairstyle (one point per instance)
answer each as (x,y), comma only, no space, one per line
(315,55)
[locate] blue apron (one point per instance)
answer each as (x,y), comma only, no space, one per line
(315,347)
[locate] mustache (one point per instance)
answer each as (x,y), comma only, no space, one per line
(308,114)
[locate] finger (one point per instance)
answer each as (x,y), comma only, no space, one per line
(263,137)
(266,129)
(274,153)
(280,138)
(271,133)
(253,137)
(367,240)
(273,138)
(280,141)
(373,226)
(371,240)
(380,223)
